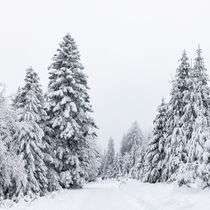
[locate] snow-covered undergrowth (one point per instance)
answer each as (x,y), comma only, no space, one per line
(129,195)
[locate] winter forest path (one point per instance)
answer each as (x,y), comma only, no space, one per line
(133,195)
(108,196)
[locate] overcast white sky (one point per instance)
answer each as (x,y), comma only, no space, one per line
(130,49)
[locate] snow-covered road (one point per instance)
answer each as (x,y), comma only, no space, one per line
(109,195)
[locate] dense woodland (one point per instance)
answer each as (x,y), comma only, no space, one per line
(178,149)
(48,140)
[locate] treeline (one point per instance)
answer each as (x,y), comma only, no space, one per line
(48,141)
(179,150)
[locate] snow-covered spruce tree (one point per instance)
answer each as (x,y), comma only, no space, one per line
(110,160)
(155,154)
(199,153)
(29,140)
(201,79)
(178,132)
(69,115)
(12,173)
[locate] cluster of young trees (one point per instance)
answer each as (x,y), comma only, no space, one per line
(48,142)
(179,149)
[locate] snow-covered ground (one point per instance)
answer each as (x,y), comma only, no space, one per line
(132,195)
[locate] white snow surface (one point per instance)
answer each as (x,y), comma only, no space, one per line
(131,195)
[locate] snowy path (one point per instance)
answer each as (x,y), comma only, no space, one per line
(108,195)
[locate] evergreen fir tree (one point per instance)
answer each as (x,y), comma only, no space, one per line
(201,79)
(177,132)
(198,160)
(155,155)
(69,115)
(29,139)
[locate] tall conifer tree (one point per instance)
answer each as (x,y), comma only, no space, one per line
(155,154)
(199,149)
(177,137)
(29,140)
(69,115)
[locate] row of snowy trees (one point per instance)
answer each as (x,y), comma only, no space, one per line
(126,162)
(48,142)
(179,149)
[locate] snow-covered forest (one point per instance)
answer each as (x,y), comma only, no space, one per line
(104,105)
(178,149)
(49,140)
